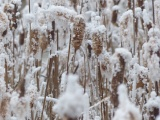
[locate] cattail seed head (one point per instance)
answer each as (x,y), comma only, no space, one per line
(8,8)
(13,24)
(34,41)
(103,4)
(74,3)
(78,30)
(43,42)
(21,38)
(97,43)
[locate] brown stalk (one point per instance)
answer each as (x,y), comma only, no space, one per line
(6,74)
(153,12)
(37,75)
(100,83)
(68,54)
(56,76)
(134,33)
(57,40)
(48,89)
(53,29)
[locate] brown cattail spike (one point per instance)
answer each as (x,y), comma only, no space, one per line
(43,42)
(74,3)
(21,38)
(97,43)
(78,31)
(8,8)
(34,43)
(103,4)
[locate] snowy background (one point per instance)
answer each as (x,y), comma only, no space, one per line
(79,59)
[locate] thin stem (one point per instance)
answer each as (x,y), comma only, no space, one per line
(68,54)
(57,40)
(134,35)
(153,12)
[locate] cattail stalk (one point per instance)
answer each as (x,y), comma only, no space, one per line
(134,34)
(6,74)
(68,54)
(153,12)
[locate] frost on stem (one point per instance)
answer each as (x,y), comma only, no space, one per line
(72,102)
(126,110)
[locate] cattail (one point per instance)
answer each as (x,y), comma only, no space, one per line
(21,88)
(116,81)
(122,57)
(43,42)
(3,24)
(74,3)
(11,9)
(102,4)
(78,30)
(97,43)
(8,8)
(34,41)
(115,12)
(21,38)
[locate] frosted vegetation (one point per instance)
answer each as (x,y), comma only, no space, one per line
(79,59)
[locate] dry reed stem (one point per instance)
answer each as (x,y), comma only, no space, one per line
(37,75)
(55,77)
(6,74)
(153,12)
(68,54)
(48,89)
(57,39)
(134,32)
